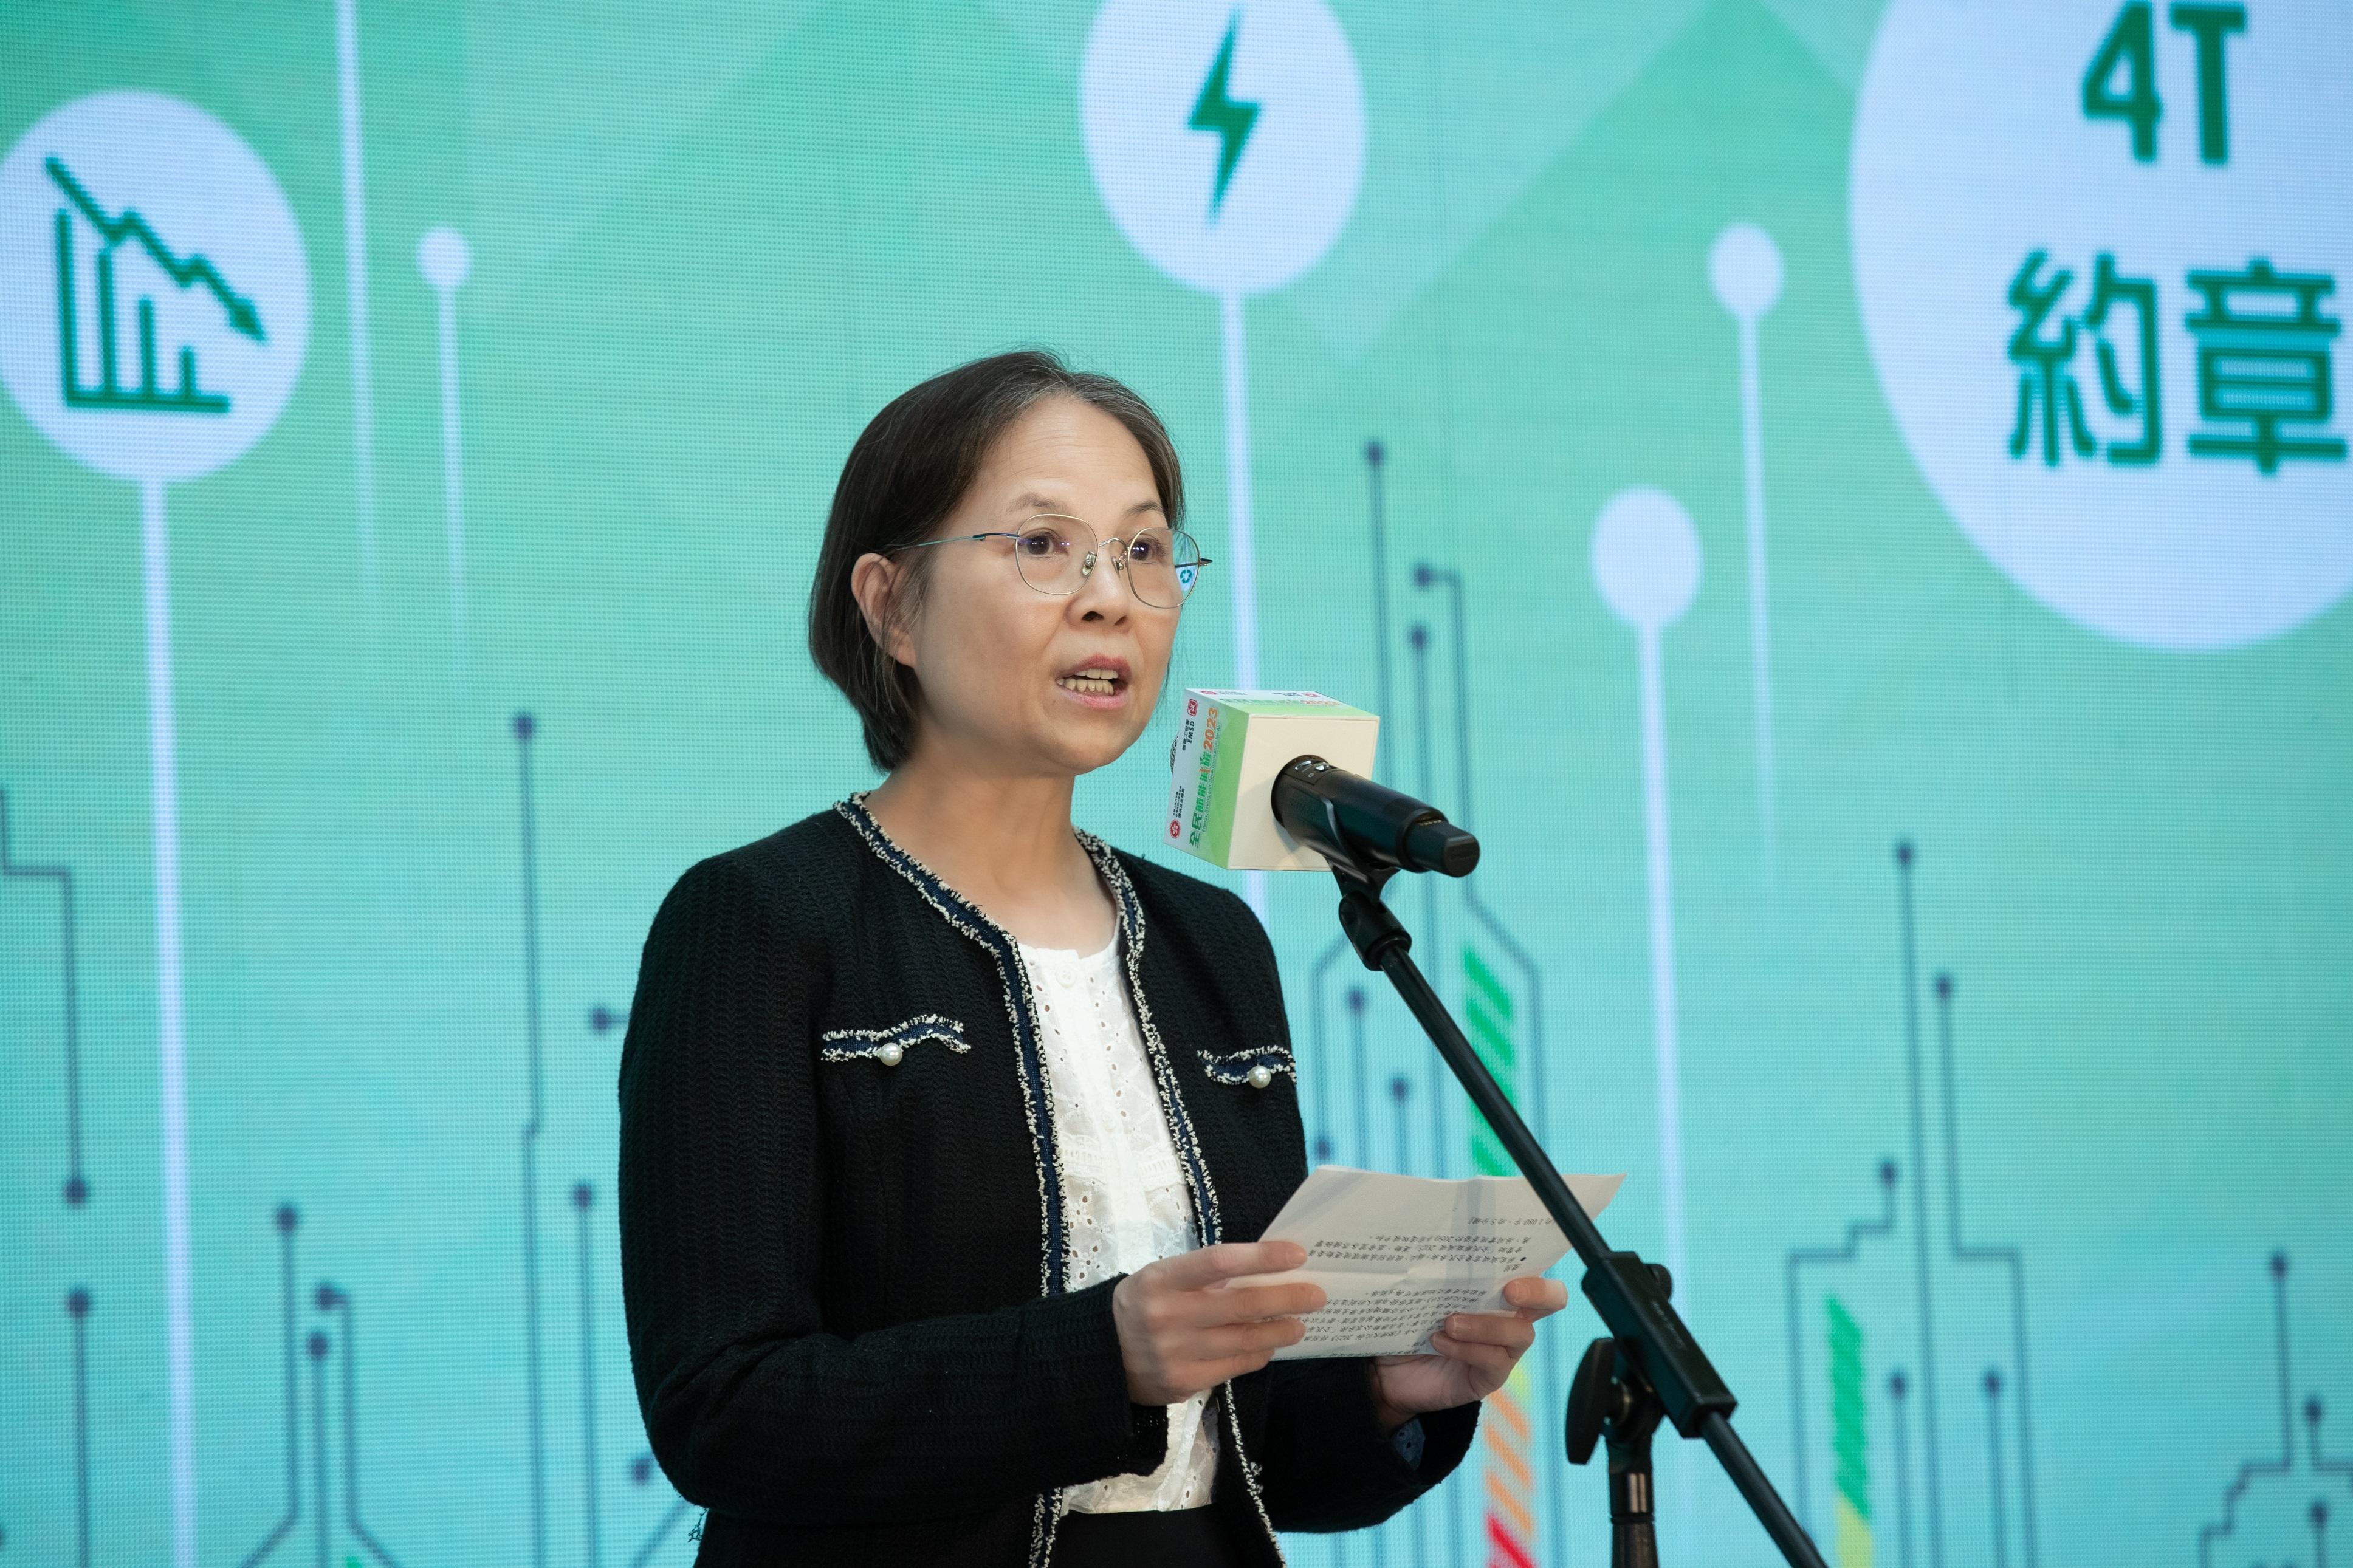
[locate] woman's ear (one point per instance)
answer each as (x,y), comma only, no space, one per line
(874,582)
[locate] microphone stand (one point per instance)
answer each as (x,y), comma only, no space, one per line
(1650,1368)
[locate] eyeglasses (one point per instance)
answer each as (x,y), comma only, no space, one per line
(1056,554)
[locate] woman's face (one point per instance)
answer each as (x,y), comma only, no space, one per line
(1033,682)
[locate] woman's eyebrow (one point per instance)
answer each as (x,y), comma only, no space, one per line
(1031,501)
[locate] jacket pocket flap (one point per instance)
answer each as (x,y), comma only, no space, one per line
(887,1045)
(1236,1066)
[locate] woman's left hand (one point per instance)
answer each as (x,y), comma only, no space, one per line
(1476,1351)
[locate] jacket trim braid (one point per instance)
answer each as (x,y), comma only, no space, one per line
(1180,1122)
(1022,1007)
(1205,1193)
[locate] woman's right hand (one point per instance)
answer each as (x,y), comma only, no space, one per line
(1182,1329)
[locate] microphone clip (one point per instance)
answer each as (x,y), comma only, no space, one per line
(1371,926)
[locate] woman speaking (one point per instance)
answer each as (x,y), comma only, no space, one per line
(943,1124)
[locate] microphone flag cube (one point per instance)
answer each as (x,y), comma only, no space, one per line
(1228,748)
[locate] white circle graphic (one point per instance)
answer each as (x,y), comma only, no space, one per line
(1646,558)
(1227,139)
(1984,194)
(154,296)
(1744,267)
(445,258)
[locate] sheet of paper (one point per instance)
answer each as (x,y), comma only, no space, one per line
(1396,1254)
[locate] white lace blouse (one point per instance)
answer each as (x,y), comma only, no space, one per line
(1124,1193)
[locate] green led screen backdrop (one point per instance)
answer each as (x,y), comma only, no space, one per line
(1850,503)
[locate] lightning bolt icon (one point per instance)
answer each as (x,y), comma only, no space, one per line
(1215,111)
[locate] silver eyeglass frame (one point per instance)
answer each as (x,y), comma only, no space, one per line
(1086,562)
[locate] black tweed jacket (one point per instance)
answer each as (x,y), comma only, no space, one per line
(842,1230)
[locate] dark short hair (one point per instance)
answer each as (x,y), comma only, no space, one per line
(908,470)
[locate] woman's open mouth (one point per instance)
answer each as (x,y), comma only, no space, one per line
(1098,682)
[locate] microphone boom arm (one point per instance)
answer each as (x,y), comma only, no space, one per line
(1367,840)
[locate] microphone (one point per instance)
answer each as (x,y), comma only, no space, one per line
(1274,781)
(1347,817)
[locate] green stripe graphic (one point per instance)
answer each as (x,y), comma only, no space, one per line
(1847,1436)
(1487,1015)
